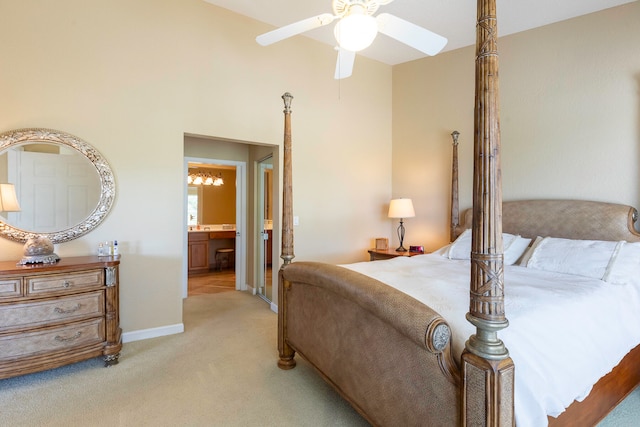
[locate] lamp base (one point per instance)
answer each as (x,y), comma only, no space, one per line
(401,237)
(39,259)
(39,250)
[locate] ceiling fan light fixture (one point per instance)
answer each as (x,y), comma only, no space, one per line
(356,31)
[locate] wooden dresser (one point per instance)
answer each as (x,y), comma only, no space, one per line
(55,314)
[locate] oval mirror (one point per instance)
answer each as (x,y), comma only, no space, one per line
(63,186)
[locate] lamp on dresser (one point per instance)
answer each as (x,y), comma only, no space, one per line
(401,208)
(8,198)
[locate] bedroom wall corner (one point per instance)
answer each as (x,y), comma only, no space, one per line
(570,118)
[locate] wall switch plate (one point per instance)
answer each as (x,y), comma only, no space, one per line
(296,220)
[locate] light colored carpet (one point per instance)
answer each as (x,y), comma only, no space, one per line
(221,372)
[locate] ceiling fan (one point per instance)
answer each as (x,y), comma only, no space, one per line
(356,30)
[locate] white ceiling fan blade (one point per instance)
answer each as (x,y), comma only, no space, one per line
(344,64)
(410,34)
(294,29)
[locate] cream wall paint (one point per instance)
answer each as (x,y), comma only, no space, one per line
(132,77)
(570,119)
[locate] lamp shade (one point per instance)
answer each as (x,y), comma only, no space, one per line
(8,198)
(401,208)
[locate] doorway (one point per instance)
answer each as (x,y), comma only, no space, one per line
(214,244)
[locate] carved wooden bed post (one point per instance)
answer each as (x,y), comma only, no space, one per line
(286,360)
(487,370)
(455,210)
(287,181)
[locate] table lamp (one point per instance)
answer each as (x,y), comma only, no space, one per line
(401,208)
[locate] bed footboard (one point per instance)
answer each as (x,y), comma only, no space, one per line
(385,352)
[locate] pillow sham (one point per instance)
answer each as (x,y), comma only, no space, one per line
(514,247)
(625,265)
(590,258)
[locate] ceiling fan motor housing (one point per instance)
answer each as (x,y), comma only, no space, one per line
(341,7)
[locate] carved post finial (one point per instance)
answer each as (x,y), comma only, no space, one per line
(454,135)
(287,97)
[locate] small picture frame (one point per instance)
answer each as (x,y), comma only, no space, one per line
(417,249)
(382,244)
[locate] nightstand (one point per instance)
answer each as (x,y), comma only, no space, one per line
(379,254)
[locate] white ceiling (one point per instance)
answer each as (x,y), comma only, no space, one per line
(453,19)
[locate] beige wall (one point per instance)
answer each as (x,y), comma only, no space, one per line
(219,202)
(570,119)
(132,77)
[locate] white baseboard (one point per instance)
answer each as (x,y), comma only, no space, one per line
(274,307)
(144,334)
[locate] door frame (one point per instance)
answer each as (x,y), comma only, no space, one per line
(241,221)
(260,256)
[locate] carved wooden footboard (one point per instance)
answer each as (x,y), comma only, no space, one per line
(383,351)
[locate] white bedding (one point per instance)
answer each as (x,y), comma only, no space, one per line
(565,331)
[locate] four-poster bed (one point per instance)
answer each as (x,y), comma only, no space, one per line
(398,360)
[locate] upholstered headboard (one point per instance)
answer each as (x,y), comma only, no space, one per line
(570,219)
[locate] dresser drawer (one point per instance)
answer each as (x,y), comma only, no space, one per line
(51,311)
(65,282)
(10,287)
(48,340)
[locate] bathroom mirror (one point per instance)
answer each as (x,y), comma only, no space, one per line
(64,186)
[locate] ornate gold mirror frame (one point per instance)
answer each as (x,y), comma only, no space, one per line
(107,183)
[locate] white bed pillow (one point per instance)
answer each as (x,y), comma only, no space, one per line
(590,258)
(444,251)
(514,247)
(516,250)
(625,266)
(524,259)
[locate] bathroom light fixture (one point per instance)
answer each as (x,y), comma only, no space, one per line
(401,208)
(205,178)
(217,180)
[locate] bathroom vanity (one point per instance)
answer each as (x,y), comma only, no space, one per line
(204,242)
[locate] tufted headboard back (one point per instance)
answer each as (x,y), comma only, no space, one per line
(569,219)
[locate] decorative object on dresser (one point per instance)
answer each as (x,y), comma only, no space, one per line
(38,250)
(401,208)
(56,314)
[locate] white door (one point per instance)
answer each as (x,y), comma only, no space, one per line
(55,190)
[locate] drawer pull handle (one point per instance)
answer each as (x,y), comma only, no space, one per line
(66,284)
(68,310)
(63,339)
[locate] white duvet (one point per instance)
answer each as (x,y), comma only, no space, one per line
(565,331)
